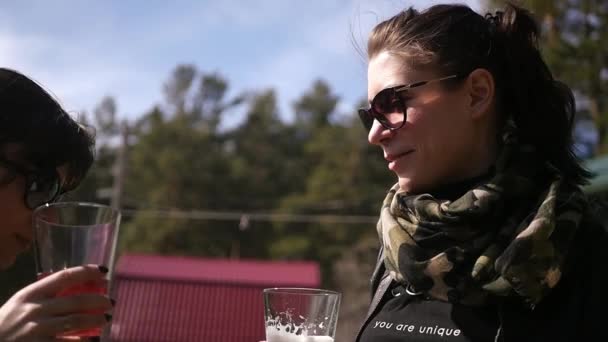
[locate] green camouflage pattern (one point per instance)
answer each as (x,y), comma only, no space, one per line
(508,235)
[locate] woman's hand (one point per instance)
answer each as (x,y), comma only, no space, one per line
(35,313)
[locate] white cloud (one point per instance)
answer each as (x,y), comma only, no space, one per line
(65,70)
(325,49)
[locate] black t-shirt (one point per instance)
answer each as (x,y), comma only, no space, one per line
(402,317)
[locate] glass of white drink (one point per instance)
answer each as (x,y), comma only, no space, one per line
(301,315)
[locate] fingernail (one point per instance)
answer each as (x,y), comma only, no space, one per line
(103,269)
(112,301)
(108,317)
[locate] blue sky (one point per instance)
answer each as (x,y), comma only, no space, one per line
(83,50)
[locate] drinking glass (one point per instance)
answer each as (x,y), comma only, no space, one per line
(68,234)
(301,314)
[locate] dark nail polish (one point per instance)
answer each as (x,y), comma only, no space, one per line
(112,301)
(103,269)
(94,339)
(108,317)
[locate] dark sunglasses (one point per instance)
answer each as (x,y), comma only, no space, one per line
(388,106)
(41,186)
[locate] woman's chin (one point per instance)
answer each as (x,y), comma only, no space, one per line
(406,184)
(412,185)
(7,261)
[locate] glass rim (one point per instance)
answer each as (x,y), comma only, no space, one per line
(115,213)
(306,291)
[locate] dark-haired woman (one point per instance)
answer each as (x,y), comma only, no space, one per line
(486,236)
(43,154)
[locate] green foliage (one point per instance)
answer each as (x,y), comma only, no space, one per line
(314,109)
(259,148)
(179,161)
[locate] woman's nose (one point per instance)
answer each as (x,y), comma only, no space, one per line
(378,133)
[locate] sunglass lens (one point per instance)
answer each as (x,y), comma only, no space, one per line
(388,108)
(384,102)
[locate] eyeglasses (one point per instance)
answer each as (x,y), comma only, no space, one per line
(41,186)
(388,106)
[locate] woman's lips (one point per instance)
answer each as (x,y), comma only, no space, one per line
(393,158)
(23,242)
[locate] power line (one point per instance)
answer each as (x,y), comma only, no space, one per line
(238,216)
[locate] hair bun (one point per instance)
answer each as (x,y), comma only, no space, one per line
(494,19)
(515,24)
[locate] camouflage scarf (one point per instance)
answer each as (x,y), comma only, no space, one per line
(508,235)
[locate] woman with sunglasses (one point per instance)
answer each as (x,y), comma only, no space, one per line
(486,236)
(43,154)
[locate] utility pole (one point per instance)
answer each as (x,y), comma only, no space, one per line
(120,167)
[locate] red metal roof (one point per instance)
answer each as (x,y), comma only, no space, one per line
(251,272)
(176,299)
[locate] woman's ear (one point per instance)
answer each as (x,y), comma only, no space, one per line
(481,91)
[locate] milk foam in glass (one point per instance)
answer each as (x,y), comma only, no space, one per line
(300,314)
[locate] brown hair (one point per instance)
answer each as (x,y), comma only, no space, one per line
(31,117)
(456,40)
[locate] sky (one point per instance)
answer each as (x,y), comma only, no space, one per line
(82,51)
